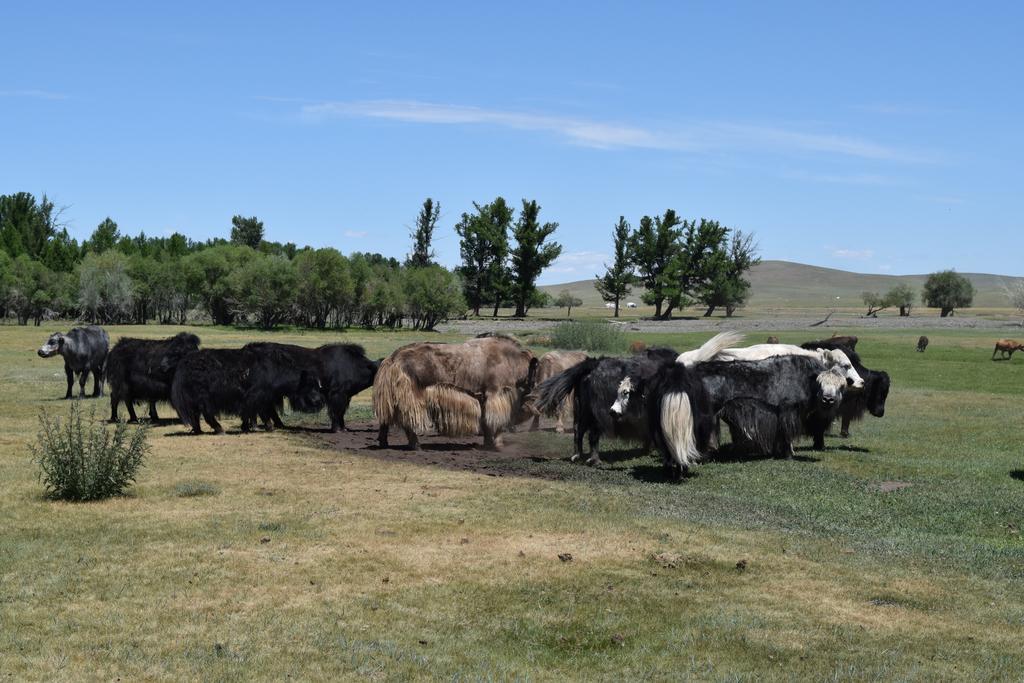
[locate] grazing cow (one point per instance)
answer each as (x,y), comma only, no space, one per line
(592,384)
(830,357)
(637,346)
(922,343)
(482,385)
(143,369)
(551,364)
(244,382)
(870,399)
(766,404)
(772,340)
(84,350)
(1005,348)
(343,370)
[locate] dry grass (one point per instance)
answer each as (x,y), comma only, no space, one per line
(319,565)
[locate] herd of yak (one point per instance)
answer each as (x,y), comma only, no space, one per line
(767,395)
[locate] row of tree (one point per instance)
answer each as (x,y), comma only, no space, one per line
(945,290)
(679,263)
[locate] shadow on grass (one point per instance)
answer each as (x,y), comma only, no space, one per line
(1017,474)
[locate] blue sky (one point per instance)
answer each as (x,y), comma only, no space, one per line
(872,137)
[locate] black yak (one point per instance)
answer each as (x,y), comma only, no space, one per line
(243,382)
(922,343)
(143,369)
(84,350)
(870,399)
(482,385)
(766,404)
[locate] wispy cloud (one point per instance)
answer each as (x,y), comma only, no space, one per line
(582,262)
(851,254)
(356,234)
(34,94)
(693,137)
(841,179)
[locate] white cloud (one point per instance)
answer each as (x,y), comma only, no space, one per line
(852,254)
(579,262)
(838,179)
(356,234)
(34,94)
(612,135)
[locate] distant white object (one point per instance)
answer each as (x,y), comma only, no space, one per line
(631,304)
(609,305)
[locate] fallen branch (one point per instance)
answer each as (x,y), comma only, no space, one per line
(822,322)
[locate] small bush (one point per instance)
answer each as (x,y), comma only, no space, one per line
(589,335)
(83,459)
(191,489)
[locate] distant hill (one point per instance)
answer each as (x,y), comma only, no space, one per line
(784,284)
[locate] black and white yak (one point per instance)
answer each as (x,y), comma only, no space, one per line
(593,385)
(870,399)
(143,369)
(831,357)
(767,404)
(84,350)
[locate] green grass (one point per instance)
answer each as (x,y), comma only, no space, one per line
(264,556)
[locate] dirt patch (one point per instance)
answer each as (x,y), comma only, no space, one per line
(523,453)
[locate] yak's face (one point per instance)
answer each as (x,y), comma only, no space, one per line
(838,359)
(879,393)
(830,386)
(52,346)
(623,396)
(309,396)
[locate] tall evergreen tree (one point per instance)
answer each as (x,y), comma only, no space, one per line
(618,278)
(247,231)
(531,255)
(483,246)
(656,248)
(104,237)
(423,233)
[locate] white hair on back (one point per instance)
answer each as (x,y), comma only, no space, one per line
(710,349)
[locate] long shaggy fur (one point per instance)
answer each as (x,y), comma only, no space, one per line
(143,369)
(551,364)
(677,427)
(711,348)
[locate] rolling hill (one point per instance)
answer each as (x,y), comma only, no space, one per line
(784,284)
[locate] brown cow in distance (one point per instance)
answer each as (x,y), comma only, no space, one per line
(479,386)
(554,363)
(634,347)
(772,340)
(1006,347)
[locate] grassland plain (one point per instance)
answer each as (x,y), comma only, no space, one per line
(268,556)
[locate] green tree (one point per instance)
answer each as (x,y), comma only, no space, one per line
(31,290)
(875,303)
(903,297)
(104,237)
(483,246)
(209,280)
(567,300)
(423,234)
(701,263)
(105,289)
(246,231)
(26,226)
(947,290)
(432,294)
(618,278)
(264,287)
(323,288)
(723,274)
(531,255)
(656,248)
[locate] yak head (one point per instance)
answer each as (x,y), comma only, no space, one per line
(630,390)
(526,401)
(838,359)
(831,384)
(308,396)
(53,345)
(878,391)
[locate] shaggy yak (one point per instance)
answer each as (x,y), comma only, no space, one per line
(922,343)
(84,350)
(766,403)
(551,364)
(482,385)
(870,399)
(343,370)
(591,384)
(830,357)
(143,369)
(246,382)
(1005,348)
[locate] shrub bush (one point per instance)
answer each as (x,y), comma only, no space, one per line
(82,459)
(589,335)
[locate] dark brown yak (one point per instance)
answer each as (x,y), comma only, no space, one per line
(554,363)
(478,387)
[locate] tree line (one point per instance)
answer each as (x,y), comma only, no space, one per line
(679,263)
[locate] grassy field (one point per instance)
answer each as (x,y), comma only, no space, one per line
(269,556)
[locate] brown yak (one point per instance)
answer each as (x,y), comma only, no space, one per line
(554,363)
(1006,347)
(634,347)
(480,386)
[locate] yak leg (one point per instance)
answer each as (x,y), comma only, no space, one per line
(114,400)
(152,412)
(994,352)
(338,414)
(845,429)
(561,416)
(129,403)
(211,420)
(578,433)
(71,379)
(595,454)
(97,382)
(414,441)
(535,425)
(82,379)
(194,423)
(485,429)
(382,436)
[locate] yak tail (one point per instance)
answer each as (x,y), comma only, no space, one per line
(452,411)
(553,391)
(185,408)
(396,400)
(711,348)
(677,427)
